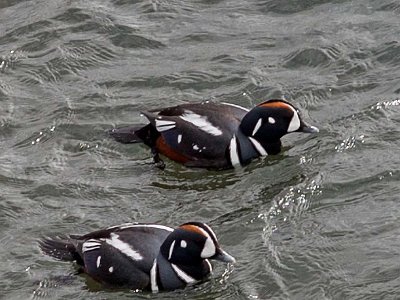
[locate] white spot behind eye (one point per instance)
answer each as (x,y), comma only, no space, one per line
(271,120)
(111,269)
(179,138)
(183,244)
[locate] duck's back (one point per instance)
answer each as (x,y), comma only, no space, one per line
(198,133)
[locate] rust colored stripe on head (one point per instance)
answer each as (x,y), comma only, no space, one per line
(163,148)
(275,104)
(193,228)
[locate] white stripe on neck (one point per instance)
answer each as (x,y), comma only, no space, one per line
(182,275)
(260,149)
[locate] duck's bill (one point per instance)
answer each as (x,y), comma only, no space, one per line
(224,257)
(308,128)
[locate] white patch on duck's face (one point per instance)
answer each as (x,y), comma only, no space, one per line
(200,122)
(98,261)
(258,125)
(271,120)
(209,248)
(294,122)
(123,247)
(164,125)
(111,269)
(195,147)
(233,152)
(179,138)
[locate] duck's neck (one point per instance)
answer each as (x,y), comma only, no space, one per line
(172,276)
(249,147)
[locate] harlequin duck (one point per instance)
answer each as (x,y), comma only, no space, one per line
(215,135)
(142,256)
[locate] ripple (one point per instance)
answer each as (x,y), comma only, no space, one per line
(292,6)
(72,16)
(391,6)
(309,58)
(388,53)
(135,41)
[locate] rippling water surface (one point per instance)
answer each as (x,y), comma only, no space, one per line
(319,221)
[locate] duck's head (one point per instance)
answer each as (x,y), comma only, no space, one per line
(191,243)
(272,119)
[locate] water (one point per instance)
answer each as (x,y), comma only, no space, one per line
(318,221)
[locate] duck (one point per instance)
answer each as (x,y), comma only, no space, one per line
(142,256)
(215,135)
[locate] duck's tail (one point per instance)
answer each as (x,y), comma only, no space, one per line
(60,248)
(135,134)
(128,135)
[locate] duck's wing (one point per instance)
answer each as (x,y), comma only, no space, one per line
(200,133)
(122,255)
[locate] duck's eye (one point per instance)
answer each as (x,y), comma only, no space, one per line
(183,244)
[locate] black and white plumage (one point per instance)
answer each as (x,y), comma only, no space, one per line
(142,256)
(216,135)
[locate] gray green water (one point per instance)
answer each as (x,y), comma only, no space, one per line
(319,221)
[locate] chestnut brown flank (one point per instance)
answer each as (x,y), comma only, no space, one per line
(166,150)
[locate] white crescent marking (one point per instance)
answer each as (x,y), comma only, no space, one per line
(123,247)
(132,225)
(294,122)
(200,122)
(182,275)
(237,106)
(260,149)
(164,125)
(90,245)
(258,125)
(153,277)
(233,153)
(171,250)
